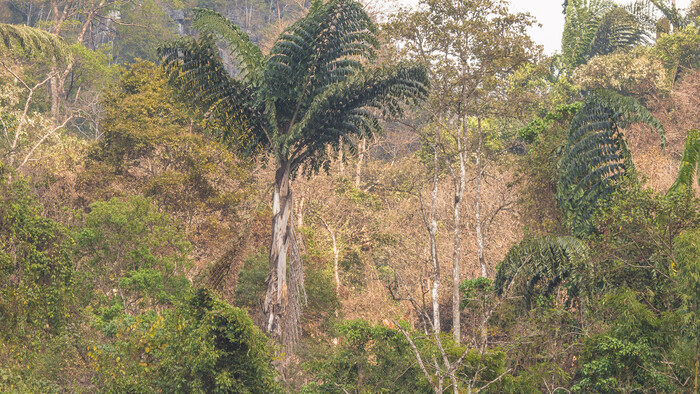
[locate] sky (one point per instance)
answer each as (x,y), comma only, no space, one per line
(549,15)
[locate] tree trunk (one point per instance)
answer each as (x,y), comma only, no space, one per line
(477,211)
(56,94)
(341,151)
(459,185)
(336,256)
(282,301)
(58,82)
(435,288)
(300,213)
(360,158)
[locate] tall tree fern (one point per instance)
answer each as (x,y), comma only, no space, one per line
(539,262)
(298,102)
(596,154)
(599,27)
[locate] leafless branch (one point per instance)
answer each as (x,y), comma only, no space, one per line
(47,135)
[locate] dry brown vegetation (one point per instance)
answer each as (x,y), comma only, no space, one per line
(679,113)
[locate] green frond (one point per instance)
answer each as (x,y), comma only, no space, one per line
(600,27)
(306,95)
(195,68)
(580,28)
(246,55)
(545,261)
(690,163)
(645,13)
(672,13)
(25,41)
(349,109)
(596,155)
(324,47)
(618,29)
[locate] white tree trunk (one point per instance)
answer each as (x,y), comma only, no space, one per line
(341,152)
(360,159)
(336,255)
(276,299)
(459,186)
(477,211)
(435,288)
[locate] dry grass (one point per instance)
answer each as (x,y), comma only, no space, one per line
(678,113)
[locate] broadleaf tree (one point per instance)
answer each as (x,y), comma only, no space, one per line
(298,102)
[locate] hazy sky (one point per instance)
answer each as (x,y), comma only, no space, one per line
(548,14)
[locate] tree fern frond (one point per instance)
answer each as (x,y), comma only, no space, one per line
(599,27)
(690,163)
(678,21)
(323,48)
(645,13)
(596,154)
(580,28)
(617,29)
(247,56)
(196,69)
(343,110)
(21,40)
(542,260)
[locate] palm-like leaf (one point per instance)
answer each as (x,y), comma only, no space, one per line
(596,154)
(580,27)
(533,261)
(247,56)
(28,41)
(599,27)
(322,49)
(618,29)
(196,69)
(690,163)
(346,109)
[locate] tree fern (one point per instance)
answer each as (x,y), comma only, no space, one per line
(599,27)
(542,261)
(297,102)
(690,163)
(677,20)
(20,40)
(596,154)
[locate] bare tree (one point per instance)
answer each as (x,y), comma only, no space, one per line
(445,367)
(17,138)
(473,47)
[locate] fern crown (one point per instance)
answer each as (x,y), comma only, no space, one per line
(311,90)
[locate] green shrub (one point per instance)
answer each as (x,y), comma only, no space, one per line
(130,251)
(202,346)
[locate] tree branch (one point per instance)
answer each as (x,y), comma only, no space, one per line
(62,125)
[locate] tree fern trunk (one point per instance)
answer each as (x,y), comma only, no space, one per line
(277,298)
